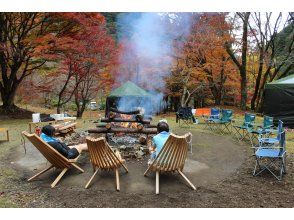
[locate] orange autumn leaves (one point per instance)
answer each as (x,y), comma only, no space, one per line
(201,63)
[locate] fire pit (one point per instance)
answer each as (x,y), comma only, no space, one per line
(121,122)
(127,132)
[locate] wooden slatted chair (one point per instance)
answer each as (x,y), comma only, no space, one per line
(171,158)
(102,157)
(56,159)
(5,130)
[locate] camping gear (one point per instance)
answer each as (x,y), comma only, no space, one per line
(258,131)
(56,159)
(171,158)
(241,131)
(269,141)
(36,117)
(224,122)
(102,157)
(214,115)
(279,100)
(185,115)
(201,112)
(129,97)
(271,154)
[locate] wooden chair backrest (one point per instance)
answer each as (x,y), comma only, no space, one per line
(173,154)
(52,155)
(101,155)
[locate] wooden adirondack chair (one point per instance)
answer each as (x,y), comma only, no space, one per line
(171,158)
(6,131)
(56,159)
(102,157)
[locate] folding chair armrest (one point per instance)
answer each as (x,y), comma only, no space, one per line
(270,148)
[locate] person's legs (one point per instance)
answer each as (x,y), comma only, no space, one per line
(80,147)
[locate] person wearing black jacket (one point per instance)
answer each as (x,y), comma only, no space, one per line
(69,152)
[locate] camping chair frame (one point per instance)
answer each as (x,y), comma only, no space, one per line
(224,123)
(242,131)
(56,159)
(210,122)
(184,117)
(269,161)
(171,158)
(260,131)
(102,157)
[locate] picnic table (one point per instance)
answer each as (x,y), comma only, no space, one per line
(35,124)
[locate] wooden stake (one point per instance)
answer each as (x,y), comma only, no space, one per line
(117,180)
(157,182)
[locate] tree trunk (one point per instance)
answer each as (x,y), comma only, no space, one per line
(81,110)
(243,92)
(183,98)
(58,106)
(244,62)
(258,79)
(7,95)
(242,66)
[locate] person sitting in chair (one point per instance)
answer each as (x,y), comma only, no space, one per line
(159,140)
(69,152)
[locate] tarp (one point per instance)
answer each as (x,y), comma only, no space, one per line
(279,100)
(128,97)
(128,89)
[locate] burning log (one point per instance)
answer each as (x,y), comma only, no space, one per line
(142,139)
(125,112)
(140,126)
(150,126)
(108,126)
(112,115)
(139,117)
(123,130)
(124,120)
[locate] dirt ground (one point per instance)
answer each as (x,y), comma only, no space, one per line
(220,169)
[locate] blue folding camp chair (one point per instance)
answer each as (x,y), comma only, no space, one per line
(224,123)
(271,155)
(258,131)
(214,115)
(241,131)
(269,141)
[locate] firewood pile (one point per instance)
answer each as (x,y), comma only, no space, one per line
(65,129)
(125,122)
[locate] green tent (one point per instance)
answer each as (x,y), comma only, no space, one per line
(129,89)
(128,97)
(279,100)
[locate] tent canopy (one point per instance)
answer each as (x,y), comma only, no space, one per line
(129,97)
(129,89)
(285,80)
(279,100)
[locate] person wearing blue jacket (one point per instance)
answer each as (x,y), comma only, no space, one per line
(69,152)
(159,140)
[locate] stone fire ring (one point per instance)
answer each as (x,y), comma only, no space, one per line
(214,158)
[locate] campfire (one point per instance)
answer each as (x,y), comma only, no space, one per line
(119,122)
(128,132)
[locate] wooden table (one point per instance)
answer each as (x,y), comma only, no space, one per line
(34,124)
(7,132)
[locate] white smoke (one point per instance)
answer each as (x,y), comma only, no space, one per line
(148,61)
